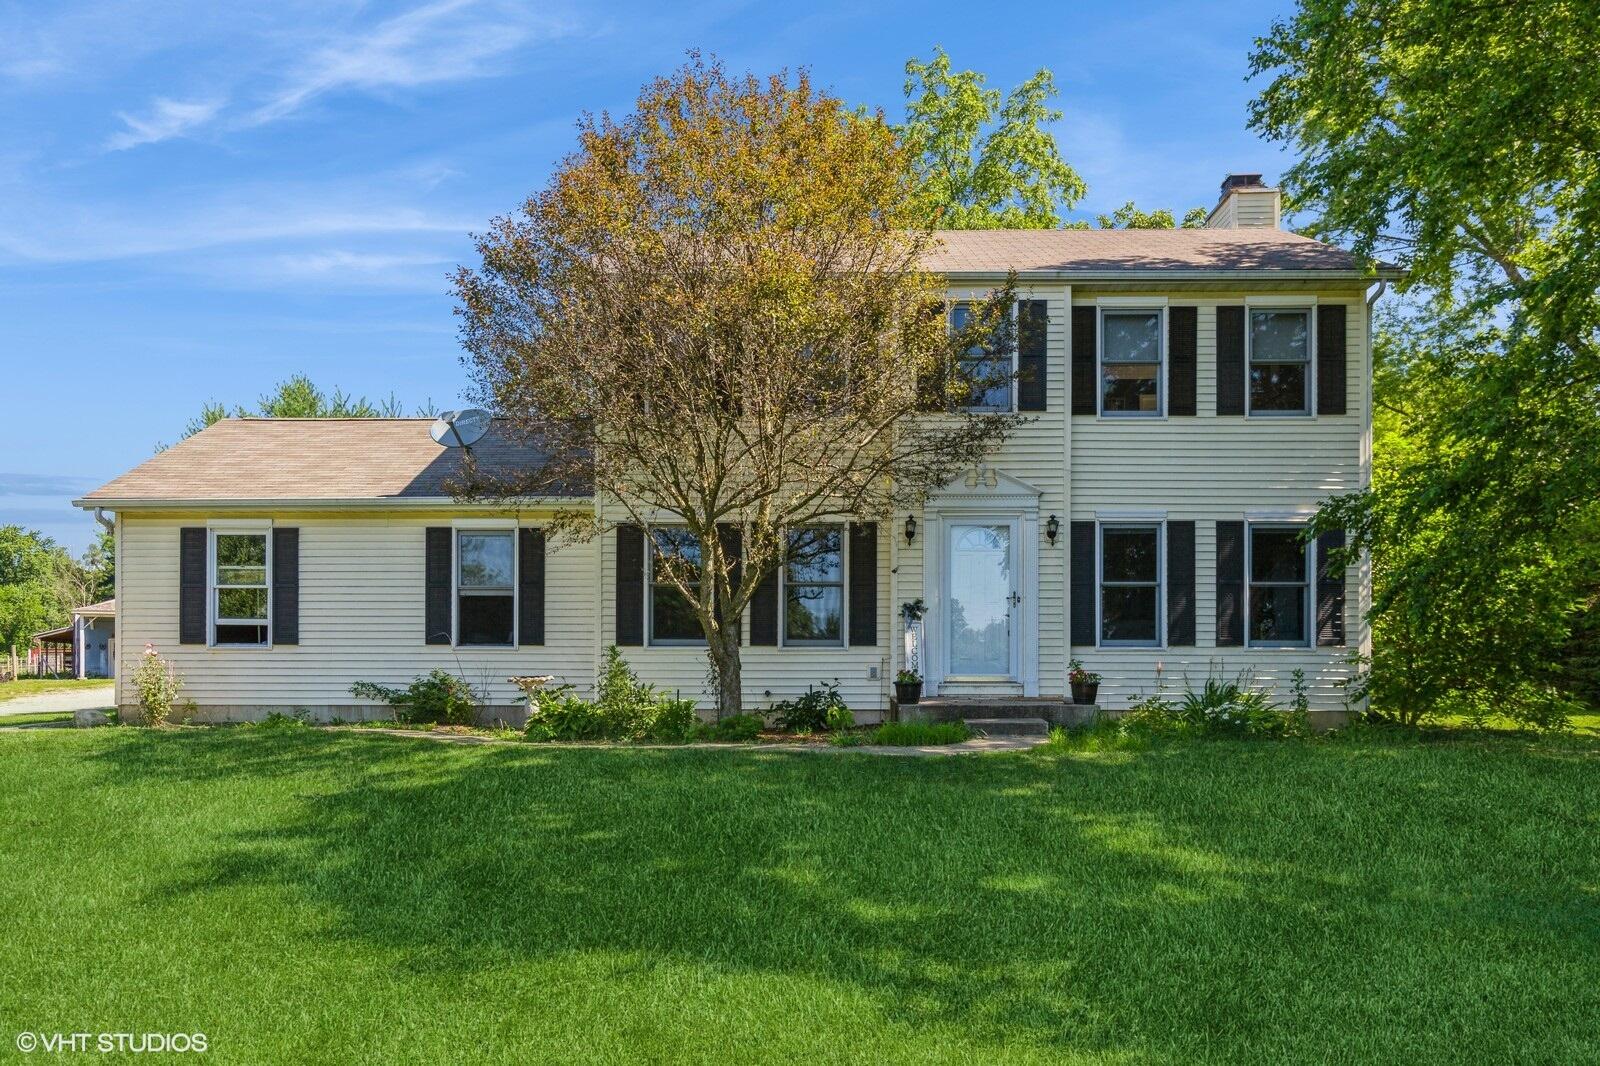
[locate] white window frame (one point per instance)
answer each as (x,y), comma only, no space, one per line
(844,594)
(1011,387)
(1308,584)
(456,591)
(1161,359)
(213,620)
(1160,526)
(651,640)
(1310,311)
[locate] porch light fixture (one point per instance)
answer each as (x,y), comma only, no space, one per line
(911,528)
(1052,529)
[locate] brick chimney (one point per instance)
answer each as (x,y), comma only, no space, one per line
(1247,203)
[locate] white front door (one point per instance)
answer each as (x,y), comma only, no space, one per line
(981,623)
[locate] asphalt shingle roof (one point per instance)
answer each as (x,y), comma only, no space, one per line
(1118,250)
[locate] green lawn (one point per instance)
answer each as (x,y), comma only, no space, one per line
(306,896)
(34,718)
(33,686)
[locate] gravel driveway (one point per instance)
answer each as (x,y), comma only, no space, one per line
(73,699)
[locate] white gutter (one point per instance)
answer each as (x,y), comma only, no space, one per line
(325,504)
(1177,276)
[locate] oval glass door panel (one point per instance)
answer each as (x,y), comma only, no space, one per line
(980,600)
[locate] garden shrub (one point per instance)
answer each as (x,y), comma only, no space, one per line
(1220,707)
(436,696)
(734,727)
(626,709)
(157,683)
(919,734)
(810,713)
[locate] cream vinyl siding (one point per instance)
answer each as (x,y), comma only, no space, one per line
(1207,468)
(361,617)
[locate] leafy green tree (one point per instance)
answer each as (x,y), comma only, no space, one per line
(100,565)
(31,596)
(298,397)
(983,160)
(1128,216)
(1461,140)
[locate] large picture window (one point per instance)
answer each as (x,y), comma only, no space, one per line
(1280,362)
(989,367)
(1130,362)
(485,587)
(672,617)
(1130,585)
(1280,588)
(813,587)
(239,589)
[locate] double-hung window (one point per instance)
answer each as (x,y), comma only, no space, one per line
(1280,586)
(486,587)
(1280,361)
(1130,361)
(240,594)
(674,551)
(813,587)
(1130,585)
(990,368)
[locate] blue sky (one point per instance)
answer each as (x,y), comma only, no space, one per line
(199,199)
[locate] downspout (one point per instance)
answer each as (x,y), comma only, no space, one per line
(110,524)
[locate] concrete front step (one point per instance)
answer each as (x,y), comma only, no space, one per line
(1009,727)
(952,709)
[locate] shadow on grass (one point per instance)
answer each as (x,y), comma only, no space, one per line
(1157,902)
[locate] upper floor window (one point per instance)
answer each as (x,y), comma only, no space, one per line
(485,587)
(1130,585)
(241,563)
(990,367)
(1130,362)
(672,617)
(1280,588)
(1280,361)
(813,587)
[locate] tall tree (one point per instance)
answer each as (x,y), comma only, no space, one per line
(298,397)
(715,315)
(984,161)
(1129,216)
(31,596)
(1464,141)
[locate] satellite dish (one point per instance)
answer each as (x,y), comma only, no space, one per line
(461,429)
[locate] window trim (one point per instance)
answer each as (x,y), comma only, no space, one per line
(456,592)
(1310,311)
(844,593)
(212,618)
(650,638)
(1162,362)
(1160,527)
(1011,387)
(1308,584)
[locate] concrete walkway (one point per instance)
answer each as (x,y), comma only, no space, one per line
(88,698)
(975,746)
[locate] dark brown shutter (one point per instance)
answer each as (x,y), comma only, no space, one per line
(1230,584)
(863,584)
(192,585)
(1330,591)
(764,611)
(1180,584)
(285,586)
(630,586)
(530,586)
(1182,352)
(1230,360)
(732,540)
(1033,331)
(1332,356)
(1085,330)
(1082,609)
(436,601)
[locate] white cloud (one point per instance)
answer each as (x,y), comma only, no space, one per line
(166,119)
(445,41)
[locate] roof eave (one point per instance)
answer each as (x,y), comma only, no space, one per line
(326,504)
(1385,273)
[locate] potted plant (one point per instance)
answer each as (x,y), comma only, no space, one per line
(1085,683)
(907,688)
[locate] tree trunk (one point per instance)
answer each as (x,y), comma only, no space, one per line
(730,684)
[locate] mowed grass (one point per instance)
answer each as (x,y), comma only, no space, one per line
(302,896)
(34,686)
(34,718)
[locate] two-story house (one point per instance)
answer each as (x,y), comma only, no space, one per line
(1192,396)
